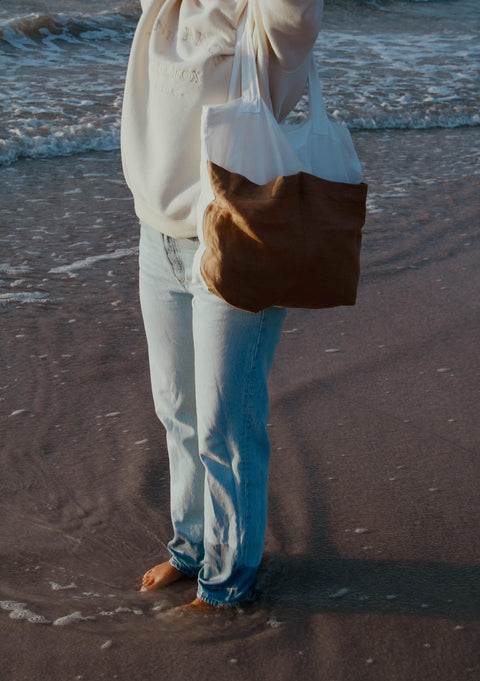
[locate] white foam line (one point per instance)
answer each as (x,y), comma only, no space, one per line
(29,616)
(23,297)
(87,262)
(5,268)
(70,619)
(11,605)
(59,587)
(19,611)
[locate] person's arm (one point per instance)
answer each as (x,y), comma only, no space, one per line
(290,28)
(285,32)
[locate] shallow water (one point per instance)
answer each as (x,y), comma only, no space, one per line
(371,551)
(370,555)
(392,66)
(75,219)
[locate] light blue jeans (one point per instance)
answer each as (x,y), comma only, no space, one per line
(209,364)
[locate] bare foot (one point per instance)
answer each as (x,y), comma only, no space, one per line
(196,606)
(159,576)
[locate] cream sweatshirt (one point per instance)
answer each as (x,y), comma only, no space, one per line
(181,59)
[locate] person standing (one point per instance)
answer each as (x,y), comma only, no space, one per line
(209,361)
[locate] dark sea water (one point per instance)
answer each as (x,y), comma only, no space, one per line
(384,65)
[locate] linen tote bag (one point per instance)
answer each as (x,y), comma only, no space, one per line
(281,206)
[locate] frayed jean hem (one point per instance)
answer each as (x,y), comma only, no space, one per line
(214,601)
(250,595)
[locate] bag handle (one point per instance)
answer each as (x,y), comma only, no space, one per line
(244,61)
(318,111)
(237,57)
(244,66)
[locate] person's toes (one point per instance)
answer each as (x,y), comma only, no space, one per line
(148,582)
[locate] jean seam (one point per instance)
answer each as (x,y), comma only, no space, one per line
(174,259)
(246,409)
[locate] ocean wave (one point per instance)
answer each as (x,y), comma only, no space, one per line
(373,4)
(35,28)
(73,139)
(78,139)
(421,123)
(374,78)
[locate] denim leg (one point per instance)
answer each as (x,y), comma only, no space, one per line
(167,314)
(233,354)
(209,366)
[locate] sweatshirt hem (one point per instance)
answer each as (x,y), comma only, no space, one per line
(178,229)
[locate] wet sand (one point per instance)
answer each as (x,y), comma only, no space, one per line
(372,556)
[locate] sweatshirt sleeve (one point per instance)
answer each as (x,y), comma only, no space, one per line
(290,28)
(285,32)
